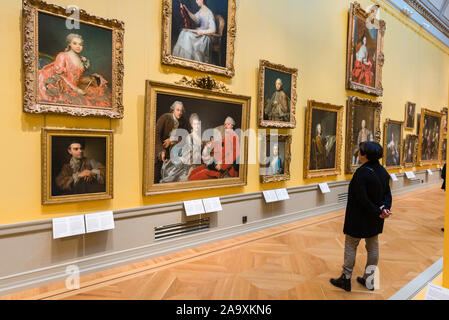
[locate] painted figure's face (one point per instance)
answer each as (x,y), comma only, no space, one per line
(363,124)
(178,111)
(275,150)
(196,125)
(228,125)
(76,151)
(318,129)
(278,84)
(364,41)
(76,45)
(200,3)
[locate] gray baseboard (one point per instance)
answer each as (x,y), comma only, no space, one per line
(31,258)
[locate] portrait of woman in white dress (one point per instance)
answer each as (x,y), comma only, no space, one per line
(196,44)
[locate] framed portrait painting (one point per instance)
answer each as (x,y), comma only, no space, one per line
(392,158)
(410,155)
(365,56)
(444,151)
(71,65)
(362,124)
(410,111)
(277,95)
(194,139)
(77,165)
(199,35)
(444,111)
(431,137)
(324,125)
(275,156)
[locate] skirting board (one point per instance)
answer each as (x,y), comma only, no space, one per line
(31,258)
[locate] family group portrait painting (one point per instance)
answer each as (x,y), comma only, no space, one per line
(77,165)
(193,142)
(277,95)
(199,34)
(323,139)
(363,124)
(392,144)
(74,70)
(365,56)
(275,156)
(430,139)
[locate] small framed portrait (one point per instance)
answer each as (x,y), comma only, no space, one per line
(275,155)
(277,95)
(194,139)
(410,109)
(410,155)
(71,65)
(444,151)
(431,137)
(77,165)
(324,125)
(444,112)
(418,123)
(363,124)
(392,158)
(199,35)
(365,51)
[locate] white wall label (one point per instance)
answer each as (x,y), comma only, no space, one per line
(410,175)
(68,226)
(435,292)
(212,205)
(324,188)
(282,194)
(270,196)
(393,177)
(100,221)
(194,207)
(429,171)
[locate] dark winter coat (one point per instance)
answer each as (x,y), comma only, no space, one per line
(443,176)
(369,190)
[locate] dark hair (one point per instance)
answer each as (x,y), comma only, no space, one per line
(79,141)
(372,150)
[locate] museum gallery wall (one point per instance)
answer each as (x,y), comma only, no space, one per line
(128,65)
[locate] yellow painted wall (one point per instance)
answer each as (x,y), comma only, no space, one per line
(310,35)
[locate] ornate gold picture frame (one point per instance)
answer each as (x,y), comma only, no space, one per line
(77,165)
(410,156)
(275,157)
(277,95)
(209,147)
(362,124)
(181,36)
(410,115)
(393,152)
(365,57)
(76,71)
(324,132)
(431,137)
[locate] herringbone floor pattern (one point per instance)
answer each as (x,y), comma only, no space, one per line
(293,261)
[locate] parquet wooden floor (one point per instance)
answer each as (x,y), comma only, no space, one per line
(293,261)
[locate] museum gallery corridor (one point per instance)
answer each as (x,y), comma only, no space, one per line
(293,261)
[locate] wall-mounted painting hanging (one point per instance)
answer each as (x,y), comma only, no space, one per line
(77,165)
(362,124)
(410,111)
(194,138)
(199,35)
(71,66)
(365,56)
(410,155)
(444,151)
(277,95)
(444,112)
(430,139)
(392,158)
(275,156)
(324,125)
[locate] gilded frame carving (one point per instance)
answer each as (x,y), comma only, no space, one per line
(357,11)
(287,139)
(46,151)
(385,140)
(153,89)
(352,102)
(439,115)
(263,65)
(166,51)
(31,103)
(311,105)
(415,153)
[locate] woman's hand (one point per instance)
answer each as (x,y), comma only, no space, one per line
(199,32)
(385,214)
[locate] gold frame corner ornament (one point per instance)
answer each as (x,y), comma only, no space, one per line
(30,49)
(307,173)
